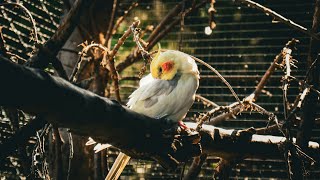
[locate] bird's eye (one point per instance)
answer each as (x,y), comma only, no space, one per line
(160,69)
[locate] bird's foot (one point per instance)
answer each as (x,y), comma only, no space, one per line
(188,133)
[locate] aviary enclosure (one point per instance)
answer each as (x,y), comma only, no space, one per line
(68,67)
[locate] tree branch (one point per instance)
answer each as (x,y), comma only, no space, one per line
(158,33)
(36,40)
(107,37)
(195,167)
(54,44)
(309,109)
(85,113)
(280,18)
(20,137)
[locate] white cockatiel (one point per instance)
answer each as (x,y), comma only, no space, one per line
(168,91)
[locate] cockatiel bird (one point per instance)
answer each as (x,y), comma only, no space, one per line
(168,91)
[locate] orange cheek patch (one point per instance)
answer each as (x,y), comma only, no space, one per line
(167,66)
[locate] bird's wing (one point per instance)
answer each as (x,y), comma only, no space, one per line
(150,92)
(158,98)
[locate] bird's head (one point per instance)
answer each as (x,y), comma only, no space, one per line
(167,64)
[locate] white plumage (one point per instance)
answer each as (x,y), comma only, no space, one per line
(171,98)
(168,91)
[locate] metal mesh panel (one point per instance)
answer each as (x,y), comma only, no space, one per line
(241,47)
(17,31)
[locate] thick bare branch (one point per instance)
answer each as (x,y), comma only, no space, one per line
(54,44)
(309,109)
(138,135)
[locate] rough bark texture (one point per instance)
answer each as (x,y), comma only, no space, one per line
(54,44)
(85,113)
(309,109)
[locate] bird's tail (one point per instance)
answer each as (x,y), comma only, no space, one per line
(118,166)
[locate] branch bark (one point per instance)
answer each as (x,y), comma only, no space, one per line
(280,18)
(158,33)
(195,167)
(309,109)
(20,137)
(54,44)
(85,113)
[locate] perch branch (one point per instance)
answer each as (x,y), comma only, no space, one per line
(135,134)
(279,17)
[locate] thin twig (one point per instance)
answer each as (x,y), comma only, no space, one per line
(33,22)
(195,167)
(220,76)
(108,35)
(212,11)
(141,45)
(71,152)
(206,101)
(169,17)
(20,137)
(15,30)
(55,43)
(121,40)
(311,68)
(58,153)
(79,65)
(114,76)
(287,58)
(120,20)
(253,97)
(109,58)
(158,33)
(265,78)
(164,30)
(182,15)
(279,17)
(5,51)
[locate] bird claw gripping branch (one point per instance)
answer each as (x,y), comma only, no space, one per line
(186,144)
